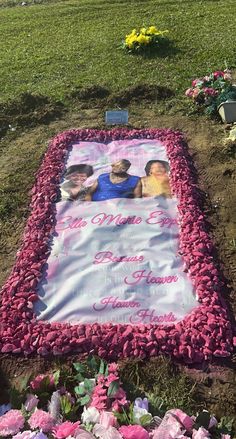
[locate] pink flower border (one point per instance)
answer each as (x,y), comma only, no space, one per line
(205,333)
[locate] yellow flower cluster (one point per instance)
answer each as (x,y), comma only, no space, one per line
(143,37)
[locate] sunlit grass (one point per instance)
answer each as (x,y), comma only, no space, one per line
(51,48)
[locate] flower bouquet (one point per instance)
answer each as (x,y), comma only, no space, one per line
(91,404)
(144,40)
(210,91)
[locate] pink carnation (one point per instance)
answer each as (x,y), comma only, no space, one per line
(189,92)
(112,367)
(42,420)
(65,429)
(37,382)
(210,91)
(196,82)
(133,432)
(11,423)
(196,92)
(218,74)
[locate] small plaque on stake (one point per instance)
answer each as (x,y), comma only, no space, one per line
(117,117)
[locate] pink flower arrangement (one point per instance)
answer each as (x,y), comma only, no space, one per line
(38,381)
(41,420)
(133,432)
(11,423)
(65,429)
(208,90)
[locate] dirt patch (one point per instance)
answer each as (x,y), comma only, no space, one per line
(140,93)
(101,96)
(95,92)
(28,110)
(215,163)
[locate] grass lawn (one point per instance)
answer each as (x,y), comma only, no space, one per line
(50,47)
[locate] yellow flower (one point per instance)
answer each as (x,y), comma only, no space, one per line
(143,30)
(130,40)
(142,39)
(152,30)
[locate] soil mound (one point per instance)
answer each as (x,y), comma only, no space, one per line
(28,110)
(141,92)
(94,92)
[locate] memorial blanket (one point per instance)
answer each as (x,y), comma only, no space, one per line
(116,258)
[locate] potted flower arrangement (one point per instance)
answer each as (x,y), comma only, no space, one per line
(145,40)
(211,91)
(92,404)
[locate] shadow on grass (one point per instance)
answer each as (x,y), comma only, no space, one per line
(165,49)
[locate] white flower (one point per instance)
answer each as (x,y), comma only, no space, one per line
(138,412)
(90,415)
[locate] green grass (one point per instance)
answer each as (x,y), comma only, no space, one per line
(52,47)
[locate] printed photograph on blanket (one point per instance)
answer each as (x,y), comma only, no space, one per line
(117,183)
(116,260)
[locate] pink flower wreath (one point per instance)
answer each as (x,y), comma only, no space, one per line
(205,333)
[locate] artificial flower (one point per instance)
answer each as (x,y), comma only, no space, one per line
(107,419)
(213,422)
(90,415)
(218,74)
(82,434)
(113,367)
(106,433)
(4,408)
(201,433)
(42,420)
(54,405)
(40,435)
(27,434)
(140,409)
(65,429)
(133,432)
(31,402)
(37,382)
(11,423)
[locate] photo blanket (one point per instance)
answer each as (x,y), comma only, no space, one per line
(114,255)
(116,259)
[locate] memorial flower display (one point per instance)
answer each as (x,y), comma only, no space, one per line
(210,91)
(91,408)
(144,39)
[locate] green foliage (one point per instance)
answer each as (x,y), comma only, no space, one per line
(19,389)
(226,425)
(113,388)
(161,382)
